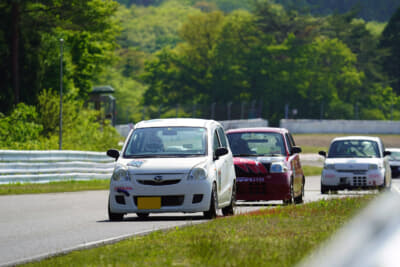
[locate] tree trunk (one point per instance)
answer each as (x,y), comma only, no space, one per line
(15,49)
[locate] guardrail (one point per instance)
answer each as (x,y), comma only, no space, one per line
(53,165)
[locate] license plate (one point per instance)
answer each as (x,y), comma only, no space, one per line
(149,203)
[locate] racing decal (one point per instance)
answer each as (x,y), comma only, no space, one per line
(136,163)
(250,166)
(250,179)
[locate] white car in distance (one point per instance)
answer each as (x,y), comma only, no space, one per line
(394,161)
(355,162)
(173,165)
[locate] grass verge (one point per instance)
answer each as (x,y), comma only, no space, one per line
(53,187)
(311,170)
(271,237)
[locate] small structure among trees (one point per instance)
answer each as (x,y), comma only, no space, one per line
(102,99)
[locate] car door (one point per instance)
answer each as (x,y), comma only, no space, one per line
(218,164)
(228,170)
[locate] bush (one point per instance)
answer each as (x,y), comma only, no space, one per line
(83,129)
(21,126)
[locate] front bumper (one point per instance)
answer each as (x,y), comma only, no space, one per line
(185,196)
(349,180)
(274,186)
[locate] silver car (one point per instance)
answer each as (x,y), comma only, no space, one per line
(356,162)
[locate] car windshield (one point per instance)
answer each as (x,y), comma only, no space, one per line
(167,142)
(354,149)
(394,155)
(257,144)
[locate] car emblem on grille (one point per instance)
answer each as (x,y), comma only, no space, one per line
(158,179)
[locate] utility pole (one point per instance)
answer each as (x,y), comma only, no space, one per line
(61,93)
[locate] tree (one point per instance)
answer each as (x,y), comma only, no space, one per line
(391,42)
(32,45)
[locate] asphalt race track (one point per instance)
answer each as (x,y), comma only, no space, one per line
(37,226)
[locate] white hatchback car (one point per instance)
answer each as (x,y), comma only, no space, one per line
(173,165)
(356,162)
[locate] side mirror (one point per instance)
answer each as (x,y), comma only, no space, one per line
(220,152)
(296,149)
(322,153)
(113,153)
(386,153)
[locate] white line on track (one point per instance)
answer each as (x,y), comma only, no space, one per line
(396,189)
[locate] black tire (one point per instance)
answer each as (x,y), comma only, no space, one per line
(211,213)
(229,210)
(114,216)
(290,200)
(142,215)
(324,189)
(299,199)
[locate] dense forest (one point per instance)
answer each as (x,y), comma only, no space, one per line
(321,59)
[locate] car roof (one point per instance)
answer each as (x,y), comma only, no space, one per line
(370,138)
(176,122)
(258,129)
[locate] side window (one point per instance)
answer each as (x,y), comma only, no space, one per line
(290,142)
(216,141)
(222,137)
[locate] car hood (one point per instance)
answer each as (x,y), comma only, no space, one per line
(248,166)
(353,163)
(394,162)
(162,165)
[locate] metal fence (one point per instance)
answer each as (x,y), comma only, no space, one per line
(53,165)
(274,111)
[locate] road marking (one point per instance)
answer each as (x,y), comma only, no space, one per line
(396,189)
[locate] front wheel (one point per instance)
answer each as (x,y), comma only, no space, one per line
(289,200)
(299,199)
(229,210)
(211,213)
(324,189)
(114,216)
(142,215)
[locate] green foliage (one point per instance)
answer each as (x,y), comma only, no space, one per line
(391,42)
(21,126)
(31,31)
(26,128)
(153,28)
(379,10)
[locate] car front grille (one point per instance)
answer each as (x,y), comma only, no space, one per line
(353,171)
(359,181)
(251,188)
(154,183)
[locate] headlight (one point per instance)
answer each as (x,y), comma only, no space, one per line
(329,166)
(197,174)
(121,173)
(278,167)
(372,167)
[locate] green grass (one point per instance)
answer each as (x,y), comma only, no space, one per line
(53,187)
(270,237)
(313,149)
(311,170)
(73,186)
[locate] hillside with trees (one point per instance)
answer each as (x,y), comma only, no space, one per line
(337,60)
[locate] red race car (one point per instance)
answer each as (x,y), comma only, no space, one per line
(267,165)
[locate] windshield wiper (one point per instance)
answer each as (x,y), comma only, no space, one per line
(244,155)
(270,155)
